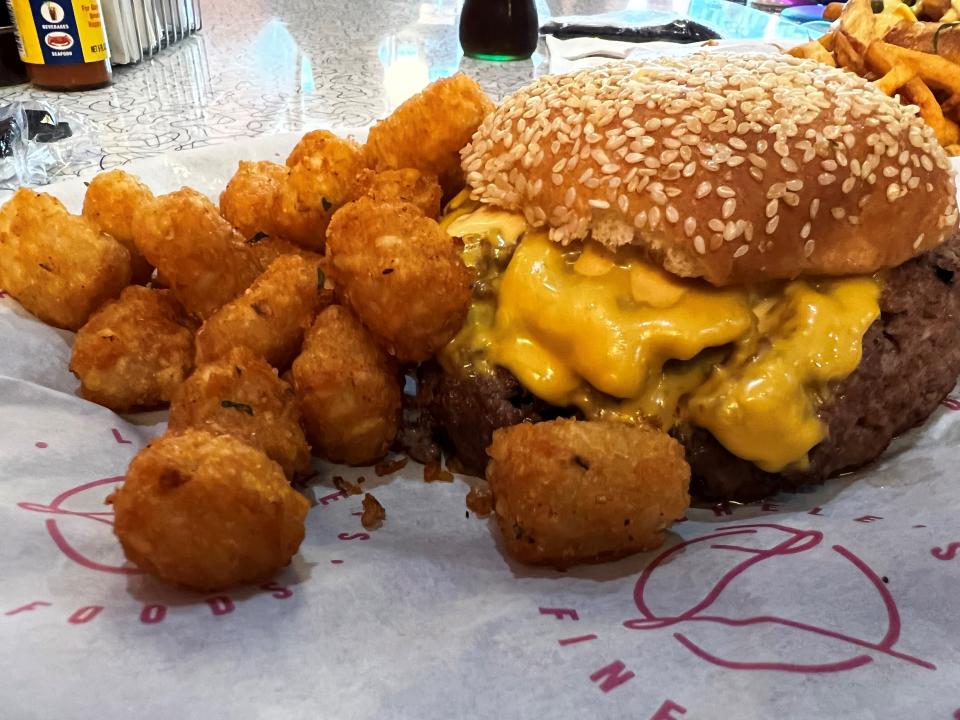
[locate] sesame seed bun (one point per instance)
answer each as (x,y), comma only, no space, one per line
(733,168)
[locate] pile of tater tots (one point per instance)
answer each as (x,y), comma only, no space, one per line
(275,327)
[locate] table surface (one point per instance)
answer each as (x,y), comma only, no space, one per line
(265,67)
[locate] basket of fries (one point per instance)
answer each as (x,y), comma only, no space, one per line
(910,49)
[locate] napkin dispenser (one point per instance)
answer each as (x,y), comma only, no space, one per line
(138,29)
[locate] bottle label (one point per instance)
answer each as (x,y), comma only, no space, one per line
(61,32)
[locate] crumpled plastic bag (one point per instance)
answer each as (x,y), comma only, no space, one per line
(39,144)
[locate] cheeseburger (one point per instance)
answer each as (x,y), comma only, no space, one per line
(755,253)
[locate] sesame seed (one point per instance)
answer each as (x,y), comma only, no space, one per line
(847,185)
(716,225)
(808,248)
(601,204)
(671,214)
(689,226)
(741,251)
(805,231)
(730,231)
(814,208)
(728,208)
(699,245)
(703,189)
(610,169)
(725,191)
(838,213)
(918,242)
(654,217)
(789,164)
(640,220)
(893,191)
(757,161)
(772,224)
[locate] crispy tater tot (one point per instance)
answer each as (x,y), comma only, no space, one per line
(407,185)
(349,390)
(428,130)
(570,491)
(401,274)
(241,395)
(112,198)
(57,265)
(207,512)
(134,351)
(270,317)
(322,170)
(247,201)
(268,248)
(202,259)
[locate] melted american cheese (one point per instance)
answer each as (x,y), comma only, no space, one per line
(615,336)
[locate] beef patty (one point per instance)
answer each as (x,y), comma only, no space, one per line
(911,360)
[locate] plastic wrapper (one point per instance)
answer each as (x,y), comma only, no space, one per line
(38,143)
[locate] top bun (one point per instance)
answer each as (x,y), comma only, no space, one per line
(733,168)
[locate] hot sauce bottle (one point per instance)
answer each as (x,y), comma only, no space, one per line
(62,43)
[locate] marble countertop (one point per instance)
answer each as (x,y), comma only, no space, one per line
(270,66)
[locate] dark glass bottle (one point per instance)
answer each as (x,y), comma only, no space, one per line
(499,29)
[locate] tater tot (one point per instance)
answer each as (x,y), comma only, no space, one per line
(247,201)
(401,274)
(407,185)
(241,395)
(571,491)
(349,390)
(111,200)
(268,248)
(270,317)
(57,265)
(208,512)
(322,170)
(134,351)
(202,259)
(428,131)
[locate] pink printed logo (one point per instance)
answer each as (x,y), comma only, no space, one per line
(71,510)
(850,623)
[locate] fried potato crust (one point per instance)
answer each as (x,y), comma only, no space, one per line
(427,131)
(322,168)
(247,201)
(270,317)
(407,186)
(349,390)
(570,491)
(109,204)
(241,395)
(208,512)
(401,274)
(202,259)
(134,351)
(267,248)
(57,265)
